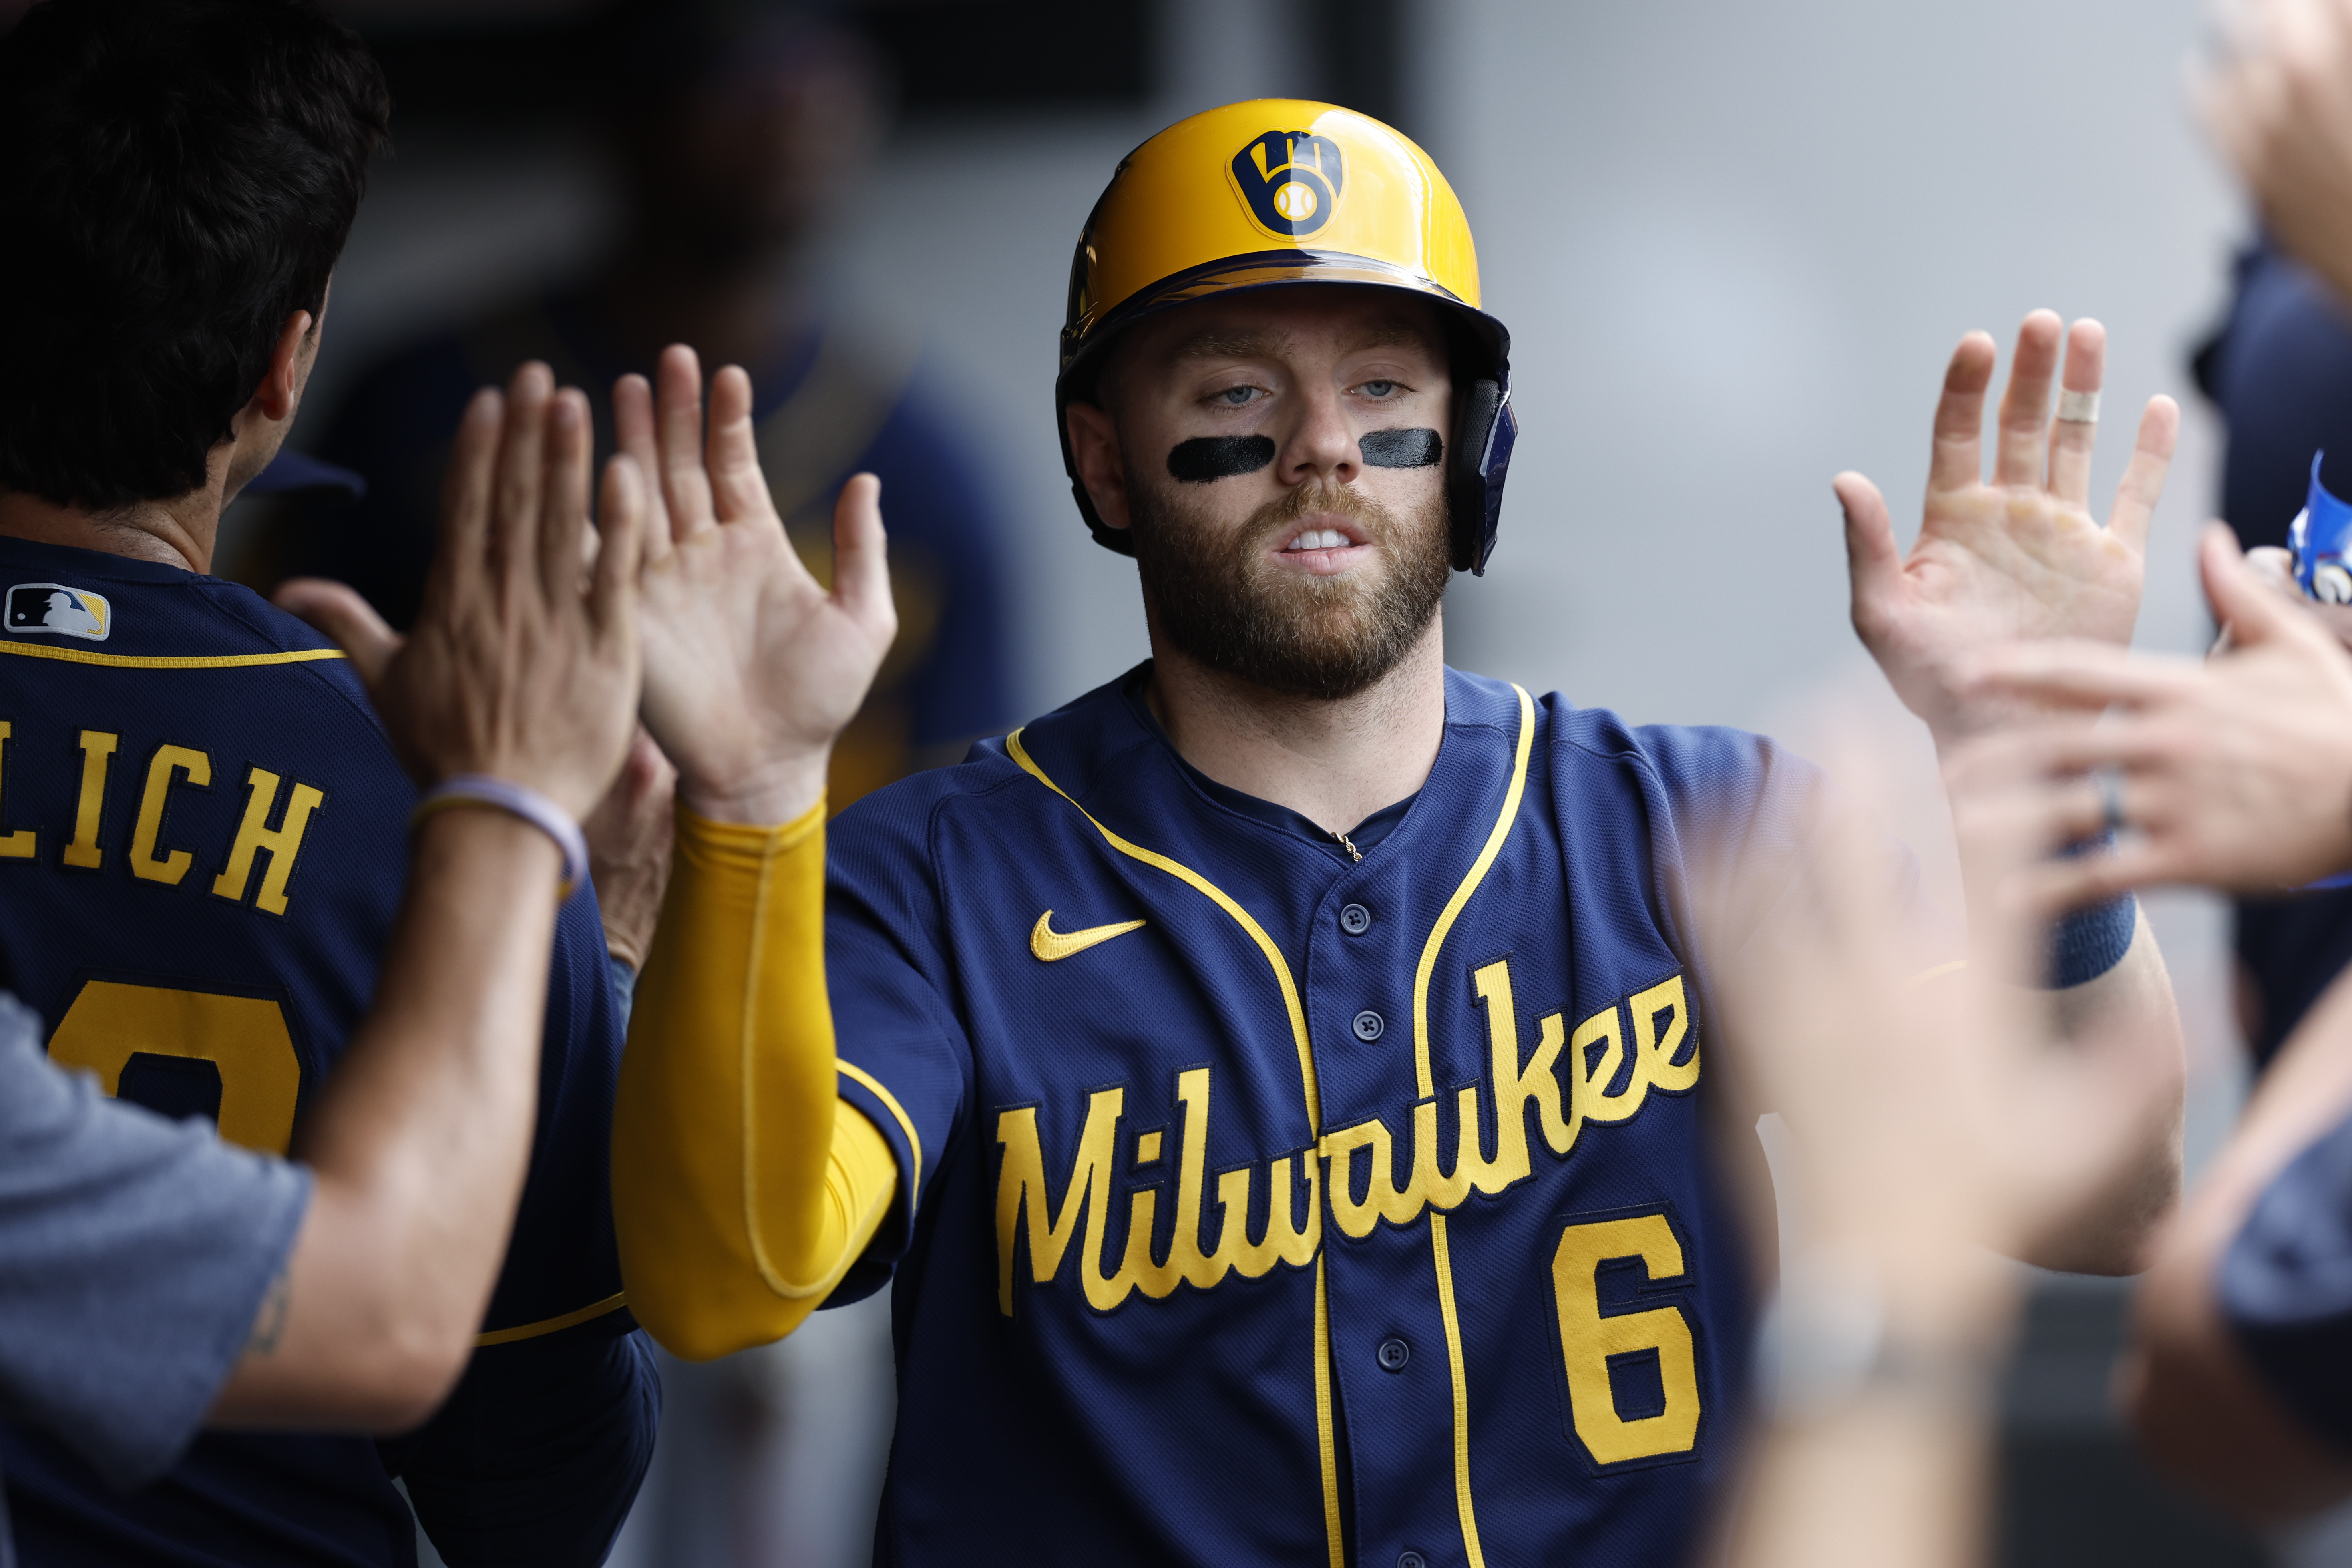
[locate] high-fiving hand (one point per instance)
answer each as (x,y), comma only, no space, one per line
(753,667)
(2017,558)
(523,662)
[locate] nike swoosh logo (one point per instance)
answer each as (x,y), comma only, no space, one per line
(1053,946)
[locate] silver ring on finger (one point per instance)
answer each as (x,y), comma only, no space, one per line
(2110,784)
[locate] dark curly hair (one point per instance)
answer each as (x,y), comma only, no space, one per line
(177,178)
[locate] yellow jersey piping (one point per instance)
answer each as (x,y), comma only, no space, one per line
(1437,935)
(1224,902)
(905,1125)
(1327,1449)
(160,661)
(1438,932)
(612,1303)
(1324,1447)
(1462,1503)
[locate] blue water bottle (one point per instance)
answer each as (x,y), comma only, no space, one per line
(2321,537)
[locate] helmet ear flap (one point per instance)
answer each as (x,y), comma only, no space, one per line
(1109,538)
(1483,434)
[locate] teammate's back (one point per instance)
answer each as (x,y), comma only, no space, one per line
(205,841)
(205,831)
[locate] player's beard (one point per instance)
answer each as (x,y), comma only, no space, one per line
(1215,596)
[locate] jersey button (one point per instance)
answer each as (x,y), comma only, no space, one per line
(1393,1354)
(1355,919)
(1411,1560)
(1369,1026)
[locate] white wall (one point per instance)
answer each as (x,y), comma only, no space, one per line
(1735,243)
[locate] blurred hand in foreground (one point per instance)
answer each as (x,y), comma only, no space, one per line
(2235,772)
(2021,556)
(2273,565)
(752,667)
(2277,96)
(1937,1119)
(515,667)
(1939,1116)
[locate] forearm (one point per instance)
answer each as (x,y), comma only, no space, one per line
(419,1143)
(740,1193)
(2199,1404)
(2124,1006)
(2200,1410)
(1881,1485)
(2133,1004)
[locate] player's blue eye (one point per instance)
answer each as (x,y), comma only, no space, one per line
(1377,388)
(1237,396)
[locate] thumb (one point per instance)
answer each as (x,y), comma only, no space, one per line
(2275,566)
(2252,610)
(861,569)
(1872,557)
(338,610)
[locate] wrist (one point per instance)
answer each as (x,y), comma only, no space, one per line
(779,793)
(475,793)
(2085,944)
(491,844)
(1920,1326)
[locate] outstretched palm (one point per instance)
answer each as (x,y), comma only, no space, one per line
(751,666)
(2016,558)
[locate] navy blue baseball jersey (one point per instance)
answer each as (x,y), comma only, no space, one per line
(1264,1204)
(203,842)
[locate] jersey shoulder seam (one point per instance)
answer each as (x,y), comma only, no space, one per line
(228,609)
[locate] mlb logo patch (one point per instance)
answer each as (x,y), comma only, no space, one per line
(54,607)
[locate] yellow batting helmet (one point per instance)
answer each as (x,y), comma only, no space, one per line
(1283,190)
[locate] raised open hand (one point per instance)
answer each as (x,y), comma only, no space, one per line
(524,662)
(2019,557)
(753,667)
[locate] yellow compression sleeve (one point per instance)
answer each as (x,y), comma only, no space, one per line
(740,1196)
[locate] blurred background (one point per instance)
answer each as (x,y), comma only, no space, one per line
(1734,243)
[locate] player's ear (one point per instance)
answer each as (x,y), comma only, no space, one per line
(290,363)
(1094,446)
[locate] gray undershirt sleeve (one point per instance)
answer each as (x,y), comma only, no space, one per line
(134,1254)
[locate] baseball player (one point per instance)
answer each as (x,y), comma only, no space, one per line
(1276,1082)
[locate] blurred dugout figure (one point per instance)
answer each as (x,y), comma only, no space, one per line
(731,128)
(1937,1124)
(2280,372)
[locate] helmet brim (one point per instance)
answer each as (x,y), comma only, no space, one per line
(1082,348)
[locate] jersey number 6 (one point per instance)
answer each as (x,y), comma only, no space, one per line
(183,1052)
(1589,1341)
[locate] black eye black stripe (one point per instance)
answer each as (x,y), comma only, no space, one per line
(1401,449)
(1206,458)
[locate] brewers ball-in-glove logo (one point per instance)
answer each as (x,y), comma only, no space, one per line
(1290,181)
(54,607)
